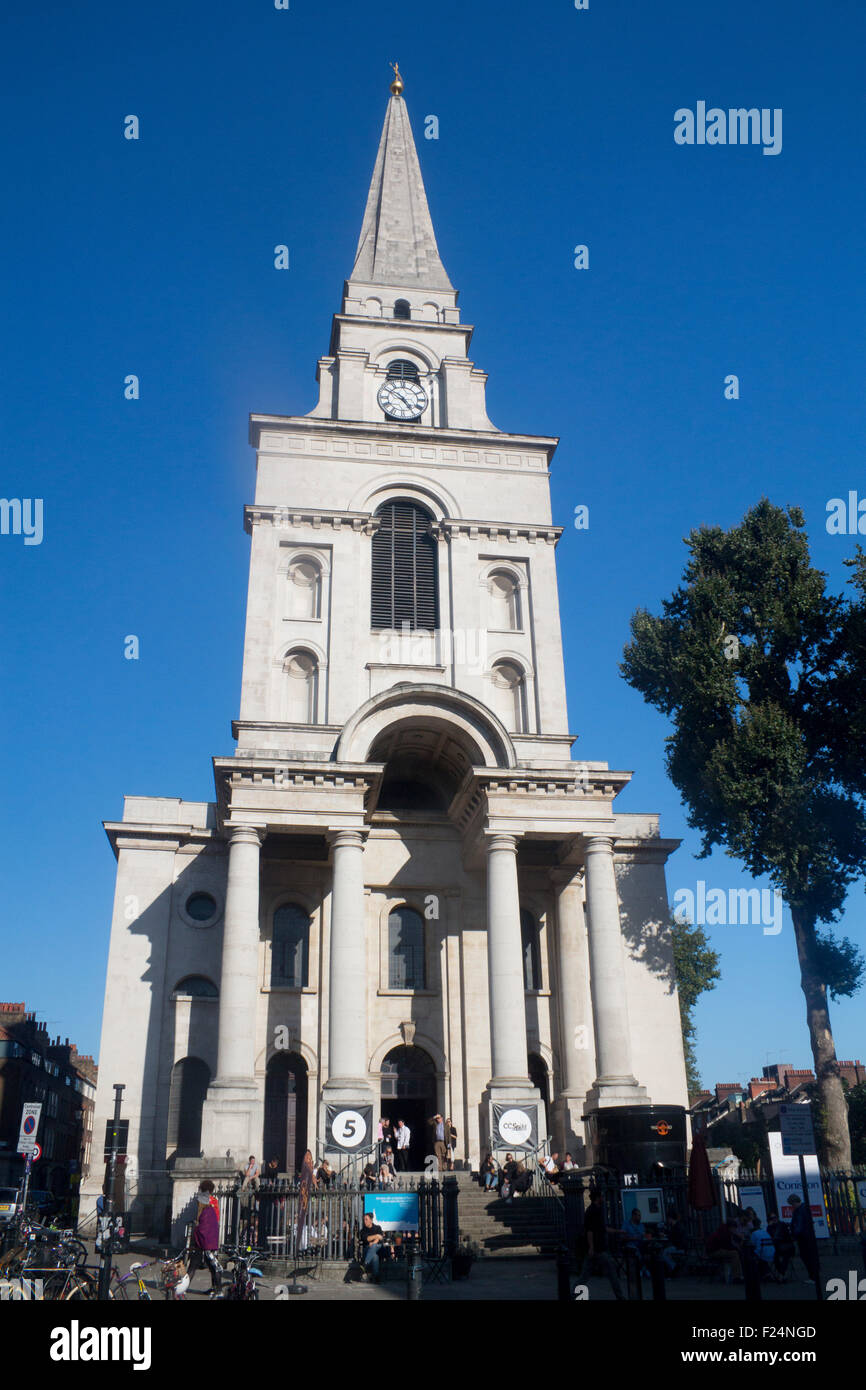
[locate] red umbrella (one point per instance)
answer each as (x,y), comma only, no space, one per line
(702,1189)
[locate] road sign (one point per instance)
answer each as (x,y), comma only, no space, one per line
(37,1153)
(29,1125)
(798,1136)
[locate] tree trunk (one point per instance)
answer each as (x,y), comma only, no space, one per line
(836,1151)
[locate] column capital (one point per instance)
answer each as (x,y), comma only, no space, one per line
(353,838)
(245,834)
(494,840)
(599,844)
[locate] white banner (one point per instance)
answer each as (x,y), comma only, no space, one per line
(786,1176)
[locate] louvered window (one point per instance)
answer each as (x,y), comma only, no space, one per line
(404,589)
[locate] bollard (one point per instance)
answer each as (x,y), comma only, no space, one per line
(657,1275)
(414,1274)
(632,1274)
(751,1275)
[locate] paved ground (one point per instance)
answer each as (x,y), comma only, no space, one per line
(520,1281)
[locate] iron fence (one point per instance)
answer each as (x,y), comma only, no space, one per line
(323,1224)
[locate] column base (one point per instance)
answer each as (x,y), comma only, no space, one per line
(348,1093)
(502,1091)
(607,1091)
(232,1122)
(568,1128)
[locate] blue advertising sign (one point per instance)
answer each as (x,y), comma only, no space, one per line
(393,1211)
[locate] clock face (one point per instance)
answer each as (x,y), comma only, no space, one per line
(402,400)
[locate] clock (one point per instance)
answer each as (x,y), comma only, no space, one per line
(402,399)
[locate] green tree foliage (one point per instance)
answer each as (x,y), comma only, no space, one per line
(697,968)
(763,673)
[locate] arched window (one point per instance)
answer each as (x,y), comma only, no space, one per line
(504,602)
(509,696)
(290,947)
(404,562)
(198,986)
(302,679)
(531,952)
(402,309)
(190,1078)
(406,949)
(304,589)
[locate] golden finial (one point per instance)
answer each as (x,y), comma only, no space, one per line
(397,84)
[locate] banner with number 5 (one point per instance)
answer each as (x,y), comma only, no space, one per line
(349,1128)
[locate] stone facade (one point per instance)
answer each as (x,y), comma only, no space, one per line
(266,955)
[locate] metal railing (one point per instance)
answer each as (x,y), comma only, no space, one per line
(268,1218)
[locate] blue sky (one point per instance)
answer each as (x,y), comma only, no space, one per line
(155,257)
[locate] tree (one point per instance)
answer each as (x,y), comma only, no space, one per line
(697,969)
(763,673)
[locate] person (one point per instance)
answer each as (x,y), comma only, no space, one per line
(511,1178)
(272,1171)
(568,1163)
(783,1243)
(250,1174)
(763,1247)
(403,1138)
(634,1234)
(388,1161)
(205,1238)
(370,1174)
(598,1256)
(489,1173)
(386,1176)
(325,1173)
(371,1242)
(437,1125)
(451,1143)
(804,1234)
(550,1166)
(722,1246)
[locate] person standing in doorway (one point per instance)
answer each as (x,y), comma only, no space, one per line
(437,1126)
(403,1138)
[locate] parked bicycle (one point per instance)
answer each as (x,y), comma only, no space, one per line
(242,1286)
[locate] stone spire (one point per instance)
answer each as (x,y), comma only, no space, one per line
(397,246)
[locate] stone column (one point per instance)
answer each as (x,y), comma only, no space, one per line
(347,1001)
(505,969)
(232,1117)
(615,1083)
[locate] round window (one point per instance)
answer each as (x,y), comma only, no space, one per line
(201,907)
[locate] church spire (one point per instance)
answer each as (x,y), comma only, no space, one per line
(397,245)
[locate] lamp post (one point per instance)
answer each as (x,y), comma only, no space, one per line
(107,1221)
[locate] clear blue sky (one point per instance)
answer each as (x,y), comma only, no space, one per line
(155,257)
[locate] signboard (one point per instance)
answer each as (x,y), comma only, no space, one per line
(754,1197)
(37,1153)
(798,1137)
(649,1201)
(349,1128)
(29,1125)
(786,1177)
(515,1127)
(393,1211)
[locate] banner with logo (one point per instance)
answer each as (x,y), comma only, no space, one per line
(515,1127)
(349,1128)
(786,1176)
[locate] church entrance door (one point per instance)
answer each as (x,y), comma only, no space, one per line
(285,1130)
(409,1094)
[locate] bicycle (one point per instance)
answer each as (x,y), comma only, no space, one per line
(242,1286)
(134,1274)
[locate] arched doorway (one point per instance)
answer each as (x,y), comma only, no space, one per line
(409,1094)
(285,1131)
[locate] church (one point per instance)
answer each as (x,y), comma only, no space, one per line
(405,898)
